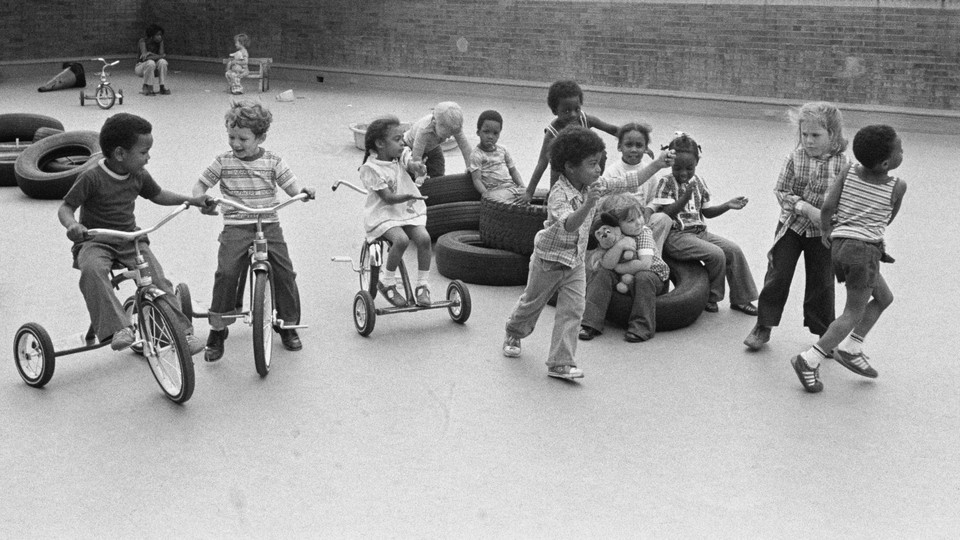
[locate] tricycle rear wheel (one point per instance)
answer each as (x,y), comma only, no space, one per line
(34,355)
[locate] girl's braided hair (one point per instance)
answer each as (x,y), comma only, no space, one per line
(683,143)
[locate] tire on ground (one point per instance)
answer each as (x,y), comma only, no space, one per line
(23,126)
(678,308)
(460,255)
(33,167)
(449,217)
(449,189)
(8,160)
(508,223)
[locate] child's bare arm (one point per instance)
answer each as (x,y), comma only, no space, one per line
(611,257)
(477,183)
(67,216)
(169,198)
(394,198)
(735,203)
(898,191)
(515,174)
(542,163)
(594,122)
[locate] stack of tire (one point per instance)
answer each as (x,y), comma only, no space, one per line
(37,155)
(497,250)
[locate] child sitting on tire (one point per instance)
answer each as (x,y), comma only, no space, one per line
(491,166)
(650,275)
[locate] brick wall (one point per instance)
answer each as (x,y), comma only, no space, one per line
(894,53)
(38,29)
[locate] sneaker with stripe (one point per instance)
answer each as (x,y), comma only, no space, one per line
(809,377)
(856,363)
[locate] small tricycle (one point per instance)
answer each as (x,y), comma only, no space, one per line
(104,95)
(371,258)
(261,314)
(161,336)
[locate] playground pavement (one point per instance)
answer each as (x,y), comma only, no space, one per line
(424,429)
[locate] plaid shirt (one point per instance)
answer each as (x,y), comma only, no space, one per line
(554,242)
(646,246)
(804,178)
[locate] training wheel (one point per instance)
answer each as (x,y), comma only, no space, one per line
(364,313)
(34,355)
(82,98)
(459,297)
(182,292)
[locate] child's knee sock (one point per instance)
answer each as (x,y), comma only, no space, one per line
(813,356)
(422,277)
(852,344)
(388,277)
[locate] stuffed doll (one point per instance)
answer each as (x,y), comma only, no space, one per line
(616,251)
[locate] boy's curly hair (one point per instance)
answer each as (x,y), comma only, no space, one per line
(153,29)
(561,90)
(243,39)
(573,145)
(122,130)
(825,115)
(873,144)
(249,114)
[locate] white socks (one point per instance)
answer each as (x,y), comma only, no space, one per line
(422,277)
(813,356)
(853,344)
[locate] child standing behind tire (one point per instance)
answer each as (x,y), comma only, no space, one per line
(427,134)
(565,99)
(395,209)
(801,187)
(250,175)
(557,264)
(238,66)
(855,215)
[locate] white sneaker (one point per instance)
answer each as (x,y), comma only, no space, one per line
(565,372)
(511,346)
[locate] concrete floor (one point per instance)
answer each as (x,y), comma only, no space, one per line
(424,429)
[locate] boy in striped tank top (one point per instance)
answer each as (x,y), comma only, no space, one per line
(250,175)
(855,214)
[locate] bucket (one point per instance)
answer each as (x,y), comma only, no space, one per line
(286,95)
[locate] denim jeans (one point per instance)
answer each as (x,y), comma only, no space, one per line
(818,294)
(643,315)
(721,257)
(546,278)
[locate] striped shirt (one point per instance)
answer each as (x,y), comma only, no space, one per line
(864,209)
(252,183)
(804,178)
(554,242)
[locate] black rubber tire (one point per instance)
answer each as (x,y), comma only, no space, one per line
(679,307)
(186,299)
(32,339)
(461,255)
(459,294)
(23,126)
(364,313)
(507,223)
(449,189)
(172,337)
(44,132)
(41,184)
(8,163)
(262,315)
(449,217)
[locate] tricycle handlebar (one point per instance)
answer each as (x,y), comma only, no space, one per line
(142,232)
(349,185)
(268,210)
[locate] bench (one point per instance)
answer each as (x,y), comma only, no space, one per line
(259,69)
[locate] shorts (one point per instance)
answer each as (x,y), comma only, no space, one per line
(856,262)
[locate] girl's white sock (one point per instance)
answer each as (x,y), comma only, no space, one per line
(422,277)
(388,277)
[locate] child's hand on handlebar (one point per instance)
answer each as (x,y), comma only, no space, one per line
(206,203)
(77,232)
(310,192)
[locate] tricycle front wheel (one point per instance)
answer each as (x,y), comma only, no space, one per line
(34,355)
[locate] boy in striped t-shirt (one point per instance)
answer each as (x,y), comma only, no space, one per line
(854,217)
(250,175)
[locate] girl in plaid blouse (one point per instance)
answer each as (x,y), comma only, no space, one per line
(807,172)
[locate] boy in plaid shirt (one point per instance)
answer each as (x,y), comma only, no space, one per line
(557,264)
